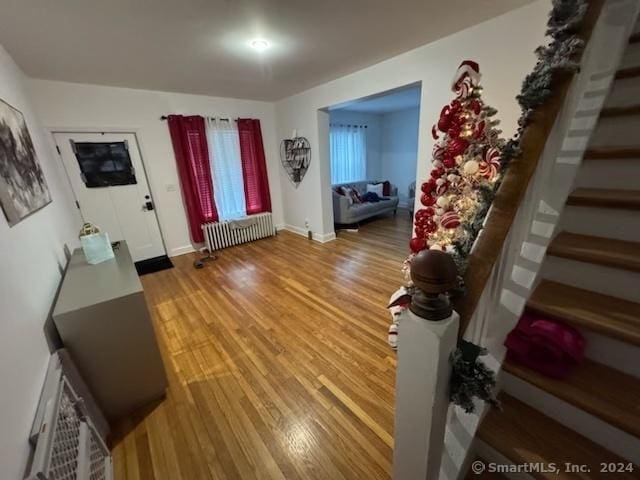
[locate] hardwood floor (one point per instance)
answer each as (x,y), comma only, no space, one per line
(277,361)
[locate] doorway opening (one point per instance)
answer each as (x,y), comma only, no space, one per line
(373,153)
(108,180)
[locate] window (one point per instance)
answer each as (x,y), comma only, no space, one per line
(226,169)
(348,145)
(104,164)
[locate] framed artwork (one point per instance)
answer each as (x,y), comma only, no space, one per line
(23,188)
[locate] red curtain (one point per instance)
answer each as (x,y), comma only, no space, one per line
(189,138)
(254,167)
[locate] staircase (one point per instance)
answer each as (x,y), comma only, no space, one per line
(590,279)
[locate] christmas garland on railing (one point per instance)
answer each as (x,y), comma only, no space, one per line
(469,161)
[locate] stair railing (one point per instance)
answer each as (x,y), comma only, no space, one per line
(507,256)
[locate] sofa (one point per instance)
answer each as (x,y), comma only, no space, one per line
(347,213)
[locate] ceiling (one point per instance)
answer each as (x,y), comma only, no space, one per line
(401,99)
(202,46)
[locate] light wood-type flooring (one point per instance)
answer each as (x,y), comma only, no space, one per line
(277,361)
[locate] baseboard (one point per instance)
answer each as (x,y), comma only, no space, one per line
(322,238)
(181,250)
(327,237)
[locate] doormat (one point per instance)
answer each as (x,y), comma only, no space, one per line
(152,265)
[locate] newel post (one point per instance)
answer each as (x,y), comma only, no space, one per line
(428,333)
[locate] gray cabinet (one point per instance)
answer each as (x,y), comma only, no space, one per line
(102,318)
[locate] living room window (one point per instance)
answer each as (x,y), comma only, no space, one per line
(348,147)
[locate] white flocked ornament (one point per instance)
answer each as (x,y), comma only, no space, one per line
(443,202)
(471,167)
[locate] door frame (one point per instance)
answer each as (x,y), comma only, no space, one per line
(135,131)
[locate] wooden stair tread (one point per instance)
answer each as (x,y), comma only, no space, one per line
(610,316)
(610,153)
(602,391)
(598,250)
(606,198)
(630,72)
(620,111)
(525,435)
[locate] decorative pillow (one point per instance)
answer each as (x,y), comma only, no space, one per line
(375,188)
(339,191)
(386,188)
(346,191)
(355,196)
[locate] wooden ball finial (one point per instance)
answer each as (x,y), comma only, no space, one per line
(433,273)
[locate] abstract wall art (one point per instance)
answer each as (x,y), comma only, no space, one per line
(23,188)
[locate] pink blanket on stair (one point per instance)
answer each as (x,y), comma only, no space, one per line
(546,346)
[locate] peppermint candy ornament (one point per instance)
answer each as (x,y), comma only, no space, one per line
(464,88)
(450,220)
(438,152)
(490,166)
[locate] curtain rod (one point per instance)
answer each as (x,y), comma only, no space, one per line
(164,117)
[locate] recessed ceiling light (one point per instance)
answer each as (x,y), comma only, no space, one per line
(259,45)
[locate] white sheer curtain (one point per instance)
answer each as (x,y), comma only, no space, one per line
(226,168)
(348,153)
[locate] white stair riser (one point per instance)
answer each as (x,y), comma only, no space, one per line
(602,222)
(613,174)
(598,431)
(631,56)
(623,93)
(617,131)
(610,281)
(612,352)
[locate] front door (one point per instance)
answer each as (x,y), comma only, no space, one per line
(109,182)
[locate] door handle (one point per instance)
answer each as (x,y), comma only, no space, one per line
(148,206)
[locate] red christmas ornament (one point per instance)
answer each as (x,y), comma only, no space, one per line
(445,119)
(417,244)
(449,162)
(427,200)
(457,146)
(456,106)
(454,131)
(429,186)
(475,106)
(437,172)
(430,227)
(479,131)
(420,232)
(420,214)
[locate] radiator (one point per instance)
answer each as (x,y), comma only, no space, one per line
(219,235)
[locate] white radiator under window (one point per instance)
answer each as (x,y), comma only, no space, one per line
(219,235)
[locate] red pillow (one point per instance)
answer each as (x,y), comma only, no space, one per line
(386,188)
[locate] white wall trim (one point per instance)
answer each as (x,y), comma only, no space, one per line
(181,250)
(318,237)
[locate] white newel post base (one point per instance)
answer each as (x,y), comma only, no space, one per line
(422,394)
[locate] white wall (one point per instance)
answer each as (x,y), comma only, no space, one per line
(400,149)
(504,48)
(73,106)
(32,261)
(373,135)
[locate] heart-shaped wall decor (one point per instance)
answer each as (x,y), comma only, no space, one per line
(295,155)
